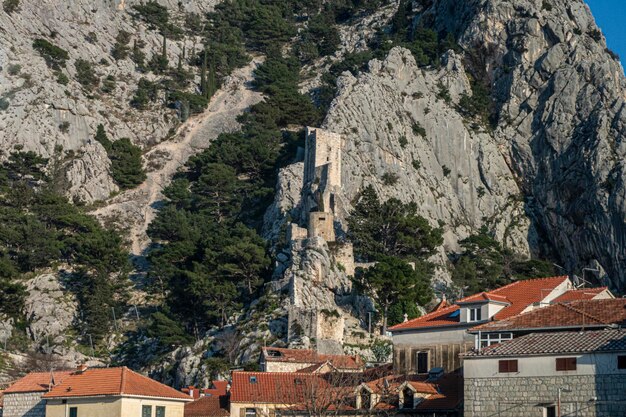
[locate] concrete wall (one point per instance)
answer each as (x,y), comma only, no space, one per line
(27,404)
(113,407)
(489,393)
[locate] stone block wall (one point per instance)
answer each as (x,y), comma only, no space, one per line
(322,225)
(513,397)
(322,148)
(27,404)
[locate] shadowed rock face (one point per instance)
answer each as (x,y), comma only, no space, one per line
(548,178)
(560,98)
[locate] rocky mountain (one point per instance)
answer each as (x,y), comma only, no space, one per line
(515,126)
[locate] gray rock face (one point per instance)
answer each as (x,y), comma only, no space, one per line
(560,95)
(455,174)
(49,309)
(38,104)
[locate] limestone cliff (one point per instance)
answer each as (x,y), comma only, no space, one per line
(36,104)
(548,176)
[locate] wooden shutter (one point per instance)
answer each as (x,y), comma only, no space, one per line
(566,364)
(242,412)
(507,366)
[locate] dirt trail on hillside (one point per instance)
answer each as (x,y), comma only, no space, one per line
(134,209)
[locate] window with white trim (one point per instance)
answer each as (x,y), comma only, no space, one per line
(488,339)
(250,412)
(475,314)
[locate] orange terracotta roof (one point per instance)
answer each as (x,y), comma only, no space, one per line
(217,388)
(484,296)
(582,294)
(442,304)
(37,382)
(211,406)
(520,294)
(274,354)
(113,382)
(581,313)
(274,387)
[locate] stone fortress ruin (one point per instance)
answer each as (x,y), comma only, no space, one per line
(322,260)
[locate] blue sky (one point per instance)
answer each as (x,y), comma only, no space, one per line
(610,15)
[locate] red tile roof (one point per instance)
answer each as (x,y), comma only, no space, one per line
(275,387)
(217,388)
(115,382)
(37,382)
(583,294)
(274,354)
(211,406)
(581,313)
(442,304)
(520,294)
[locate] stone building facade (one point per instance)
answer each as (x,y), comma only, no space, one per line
(24,404)
(584,372)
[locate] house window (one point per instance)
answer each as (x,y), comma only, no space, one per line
(422,362)
(160,411)
(73,411)
(250,412)
(549,411)
(488,339)
(621,362)
(475,314)
(566,364)
(507,366)
(146,411)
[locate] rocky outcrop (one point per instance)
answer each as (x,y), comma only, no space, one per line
(560,96)
(402,137)
(37,105)
(49,308)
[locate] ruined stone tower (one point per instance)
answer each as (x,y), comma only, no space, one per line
(322,181)
(319,271)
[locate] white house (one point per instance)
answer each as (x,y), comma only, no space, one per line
(579,373)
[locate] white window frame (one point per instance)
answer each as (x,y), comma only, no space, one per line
(474,314)
(488,339)
(250,412)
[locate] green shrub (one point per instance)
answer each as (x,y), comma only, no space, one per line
(54,56)
(595,34)
(147,91)
(64,126)
(444,93)
(126,165)
(14,69)
(416,164)
(546,5)
(446,170)
(418,129)
(120,48)
(389,178)
(4,103)
(62,78)
(85,74)
(158,18)
(109,84)
(10,6)
(403,141)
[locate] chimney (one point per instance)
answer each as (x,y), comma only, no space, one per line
(81,368)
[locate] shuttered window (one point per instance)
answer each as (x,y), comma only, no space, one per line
(566,364)
(160,411)
(73,412)
(507,366)
(146,411)
(621,362)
